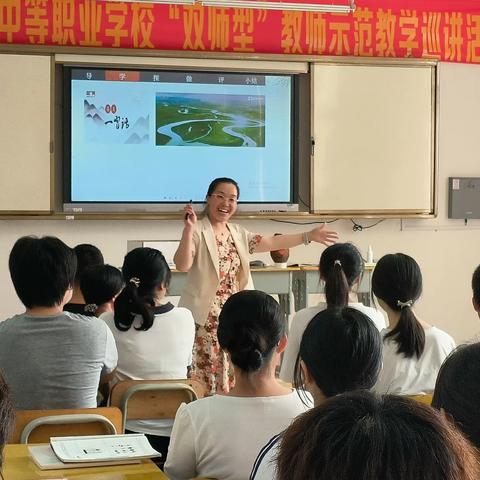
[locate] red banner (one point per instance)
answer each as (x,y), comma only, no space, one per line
(440,29)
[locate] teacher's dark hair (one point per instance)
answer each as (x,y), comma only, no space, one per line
(340,266)
(7,416)
(397,280)
(358,436)
(144,270)
(215,183)
(250,326)
(457,390)
(342,350)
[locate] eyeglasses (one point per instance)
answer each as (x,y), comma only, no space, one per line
(223,198)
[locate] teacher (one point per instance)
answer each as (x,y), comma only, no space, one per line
(216,255)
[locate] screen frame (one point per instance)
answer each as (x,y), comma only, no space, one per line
(128,207)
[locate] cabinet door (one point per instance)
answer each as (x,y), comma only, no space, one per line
(25,104)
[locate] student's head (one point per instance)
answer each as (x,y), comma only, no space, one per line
(341,350)
(476,289)
(341,265)
(100,284)
(146,276)
(457,390)
(222,197)
(7,416)
(397,282)
(251,327)
(42,271)
(87,256)
(358,436)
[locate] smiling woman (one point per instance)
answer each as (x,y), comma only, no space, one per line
(216,255)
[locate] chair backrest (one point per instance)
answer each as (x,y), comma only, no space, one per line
(153,399)
(425,398)
(37,426)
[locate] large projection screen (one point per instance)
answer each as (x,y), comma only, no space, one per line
(374,138)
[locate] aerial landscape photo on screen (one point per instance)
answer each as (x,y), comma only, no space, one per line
(210,120)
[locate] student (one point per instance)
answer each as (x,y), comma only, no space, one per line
(340,351)
(341,268)
(51,358)
(154,338)
(413,350)
(476,299)
(219,436)
(358,436)
(87,256)
(457,391)
(100,285)
(7,418)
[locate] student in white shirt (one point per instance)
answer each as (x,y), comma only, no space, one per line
(154,339)
(341,268)
(220,436)
(413,350)
(341,350)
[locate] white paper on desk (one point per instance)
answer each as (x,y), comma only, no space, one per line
(93,448)
(45,459)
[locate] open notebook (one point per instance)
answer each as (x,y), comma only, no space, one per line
(92,450)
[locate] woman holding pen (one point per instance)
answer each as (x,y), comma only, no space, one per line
(216,255)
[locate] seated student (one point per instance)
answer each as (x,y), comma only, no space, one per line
(51,358)
(476,299)
(341,268)
(100,285)
(413,350)
(7,417)
(359,436)
(154,339)
(341,350)
(219,436)
(87,256)
(457,391)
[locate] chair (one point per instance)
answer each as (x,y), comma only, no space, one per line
(425,398)
(37,426)
(153,399)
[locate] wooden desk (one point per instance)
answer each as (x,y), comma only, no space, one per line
(19,466)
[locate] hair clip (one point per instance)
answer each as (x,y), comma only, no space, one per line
(401,304)
(90,308)
(337,262)
(135,281)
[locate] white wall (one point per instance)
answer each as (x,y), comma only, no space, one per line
(446,250)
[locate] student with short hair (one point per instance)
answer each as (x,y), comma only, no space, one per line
(219,436)
(413,350)
(51,358)
(100,285)
(154,338)
(359,436)
(87,256)
(340,351)
(341,268)
(457,391)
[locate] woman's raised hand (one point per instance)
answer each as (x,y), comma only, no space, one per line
(322,235)
(190,218)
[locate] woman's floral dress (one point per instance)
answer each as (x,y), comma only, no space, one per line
(210,364)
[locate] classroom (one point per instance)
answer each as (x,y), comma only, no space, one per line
(330,58)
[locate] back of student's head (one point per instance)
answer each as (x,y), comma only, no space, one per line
(42,270)
(476,287)
(250,326)
(100,284)
(144,271)
(457,390)
(341,265)
(397,280)
(7,416)
(342,350)
(358,436)
(87,256)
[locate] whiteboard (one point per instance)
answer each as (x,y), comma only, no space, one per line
(25,83)
(373,128)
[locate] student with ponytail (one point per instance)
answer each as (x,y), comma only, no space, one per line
(413,350)
(341,269)
(154,339)
(220,436)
